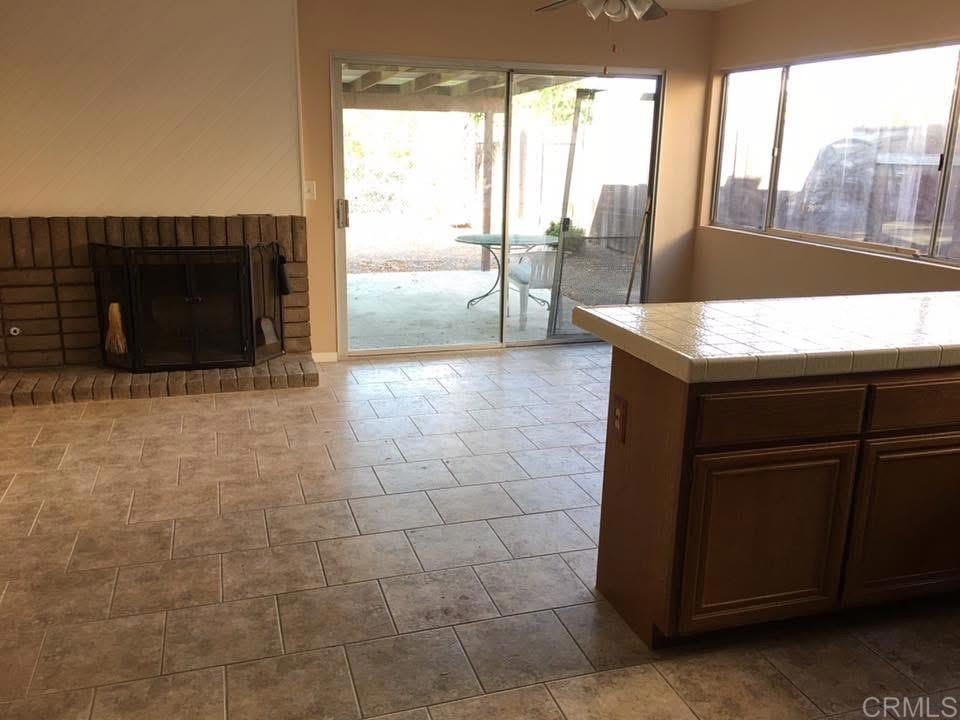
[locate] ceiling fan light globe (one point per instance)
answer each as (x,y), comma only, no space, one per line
(594,8)
(654,12)
(639,7)
(616,10)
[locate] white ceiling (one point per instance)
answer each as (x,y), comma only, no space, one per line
(700,4)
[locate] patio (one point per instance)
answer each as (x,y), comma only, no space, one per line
(385,306)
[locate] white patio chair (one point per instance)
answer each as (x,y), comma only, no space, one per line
(531,270)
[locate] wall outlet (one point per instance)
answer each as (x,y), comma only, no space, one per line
(618,418)
(310,190)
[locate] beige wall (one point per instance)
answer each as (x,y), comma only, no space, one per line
(129,107)
(731,264)
(506,30)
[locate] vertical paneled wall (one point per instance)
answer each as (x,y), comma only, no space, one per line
(46,285)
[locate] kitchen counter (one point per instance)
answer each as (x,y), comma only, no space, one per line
(768,459)
(781,338)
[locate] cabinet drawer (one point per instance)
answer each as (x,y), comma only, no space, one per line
(907,406)
(736,418)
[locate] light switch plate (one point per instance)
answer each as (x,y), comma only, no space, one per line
(310,190)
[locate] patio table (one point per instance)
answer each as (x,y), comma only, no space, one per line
(491,241)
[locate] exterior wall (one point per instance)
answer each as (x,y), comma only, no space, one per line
(127,107)
(507,31)
(47,288)
(735,264)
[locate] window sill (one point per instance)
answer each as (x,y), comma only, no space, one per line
(857,246)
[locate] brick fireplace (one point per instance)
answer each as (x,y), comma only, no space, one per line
(47,288)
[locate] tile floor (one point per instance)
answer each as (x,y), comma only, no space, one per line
(414,536)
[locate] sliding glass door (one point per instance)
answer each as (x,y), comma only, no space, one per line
(424,262)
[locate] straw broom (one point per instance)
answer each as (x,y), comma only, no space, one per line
(116,341)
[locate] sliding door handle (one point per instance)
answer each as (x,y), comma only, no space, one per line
(343,213)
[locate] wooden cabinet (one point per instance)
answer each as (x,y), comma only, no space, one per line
(904,540)
(765,534)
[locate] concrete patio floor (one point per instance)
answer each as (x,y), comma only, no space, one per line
(426,309)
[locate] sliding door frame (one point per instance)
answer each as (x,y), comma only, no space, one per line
(337,59)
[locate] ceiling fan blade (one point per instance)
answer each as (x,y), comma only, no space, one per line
(655,12)
(555,5)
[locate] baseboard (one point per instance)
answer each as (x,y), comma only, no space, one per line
(325,357)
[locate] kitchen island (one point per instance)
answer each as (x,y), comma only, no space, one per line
(767,459)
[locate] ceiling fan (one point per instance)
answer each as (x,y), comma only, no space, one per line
(616,10)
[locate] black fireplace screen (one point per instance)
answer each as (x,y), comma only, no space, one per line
(188,308)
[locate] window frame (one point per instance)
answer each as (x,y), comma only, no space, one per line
(947,159)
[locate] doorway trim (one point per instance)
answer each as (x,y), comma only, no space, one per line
(338,58)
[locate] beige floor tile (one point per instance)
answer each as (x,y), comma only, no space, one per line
(314,521)
(310,685)
(141,427)
(925,649)
(618,694)
(432,447)
(445,546)
(383,428)
(567,393)
(514,396)
(603,636)
(245,400)
(98,653)
(837,671)
(415,388)
(218,421)
(237,497)
(457,402)
(521,650)
(19,435)
(282,463)
(402,407)
(558,435)
(198,695)
(410,476)
(63,432)
(394,512)
(733,684)
(352,392)
(532,584)
(73,705)
(31,459)
(365,375)
(207,469)
(203,536)
(304,397)
(24,557)
(507,417)
(367,557)
(318,433)
(52,484)
(167,585)
(483,442)
(269,571)
(123,453)
(591,483)
(546,494)
(476,502)
(340,485)
(334,616)
(418,714)
(183,404)
(17,518)
(411,670)
(112,410)
(560,412)
(64,515)
(217,634)
(156,475)
(343,411)
(202,444)
(540,534)
(593,454)
(268,419)
(531,703)
(435,423)
(485,469)
(584,564)
(588,520)
(347,455)
(143,543)
(18,657)
(435,599)
(59,598)
(553,462)
(174,501)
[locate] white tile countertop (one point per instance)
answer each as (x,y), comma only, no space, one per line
(784,337)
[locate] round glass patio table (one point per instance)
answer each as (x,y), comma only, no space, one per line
(490,242)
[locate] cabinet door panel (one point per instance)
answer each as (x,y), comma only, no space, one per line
(904,539)
(765,534)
